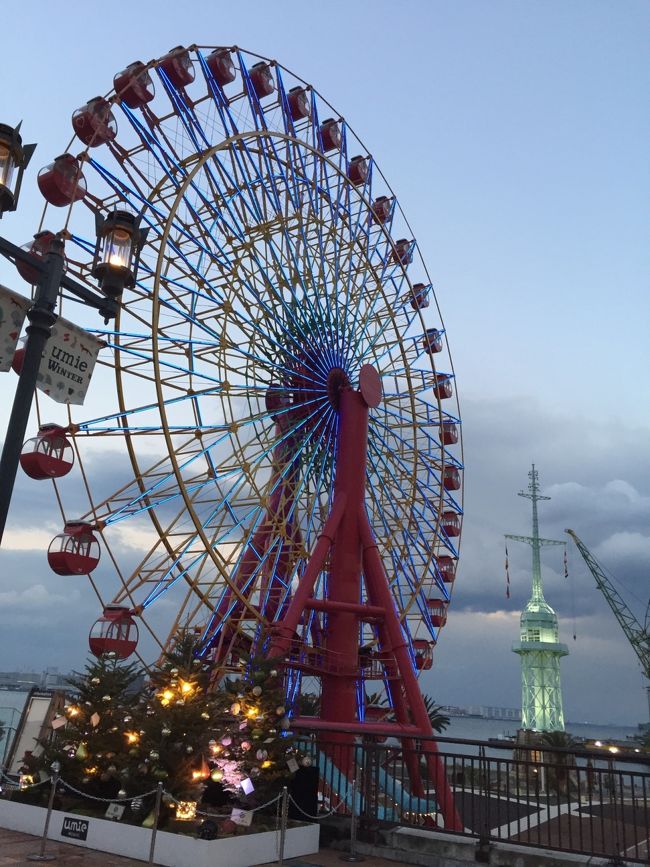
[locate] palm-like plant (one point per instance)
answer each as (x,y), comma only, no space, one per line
(439,720)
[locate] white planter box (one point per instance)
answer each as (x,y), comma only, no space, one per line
(172,850)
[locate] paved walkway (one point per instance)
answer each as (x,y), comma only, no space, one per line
(15,847)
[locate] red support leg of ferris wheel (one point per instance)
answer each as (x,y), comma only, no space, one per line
(355,562)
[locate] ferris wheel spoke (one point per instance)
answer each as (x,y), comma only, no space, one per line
(418,513)
(140,203)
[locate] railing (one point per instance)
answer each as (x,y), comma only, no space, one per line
(591,802)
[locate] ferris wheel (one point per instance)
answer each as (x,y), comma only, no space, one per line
(277,274)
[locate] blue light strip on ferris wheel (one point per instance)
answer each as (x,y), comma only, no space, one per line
(224,501)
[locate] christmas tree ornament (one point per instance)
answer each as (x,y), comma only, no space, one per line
(94,680)
(226,740)
(280,710)
(217,775)
(306,762)
(189,748)
(82,752)
(205,715)
(166,731)
(235,708)
(121,793)
(173,671)
(186,810)
(245,745)
(180,701)
(159,774)
(273,672)
(260,755)
(227,827)
(154,754)
(111,769)
(127,719)
(94,720)
(257,691)
(106,698)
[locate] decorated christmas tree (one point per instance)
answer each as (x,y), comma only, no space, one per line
(90,740)
(229,741)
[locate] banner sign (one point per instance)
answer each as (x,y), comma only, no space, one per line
(13,308)
(68,363)
(75,828)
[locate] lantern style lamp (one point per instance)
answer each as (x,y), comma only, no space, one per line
(119,241)
(14,157)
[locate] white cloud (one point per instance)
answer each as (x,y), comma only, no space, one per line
(35,597)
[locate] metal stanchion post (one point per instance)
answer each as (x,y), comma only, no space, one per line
(352,856)
(42,856)
(284,817)
(156,816)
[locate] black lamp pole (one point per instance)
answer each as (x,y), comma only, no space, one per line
(42,317)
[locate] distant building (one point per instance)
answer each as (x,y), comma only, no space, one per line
(51,678)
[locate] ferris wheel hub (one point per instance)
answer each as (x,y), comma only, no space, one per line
(337,380)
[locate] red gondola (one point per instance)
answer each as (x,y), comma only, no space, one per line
(62,182)
(220,64)
(451,479)
(446,564)
(298,103)
(48,455)
(75,551)
(330,135)
(432,341)
(94,123)
(115,632)
(438,611)
(451,521)
(39,246)
(423,651)
(419,296)
(358,170)
(134,86)
(381,209)
(19,358)
(442,387)
(403,252)
(262,79)
(449,433)
(178,67)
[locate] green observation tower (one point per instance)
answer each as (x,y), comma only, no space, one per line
(539,647)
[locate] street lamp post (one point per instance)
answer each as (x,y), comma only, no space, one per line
(116,257)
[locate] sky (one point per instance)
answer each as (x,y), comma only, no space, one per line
(515,136)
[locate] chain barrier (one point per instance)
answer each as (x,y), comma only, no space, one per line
(171,798)
(105,800)
(341,803)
